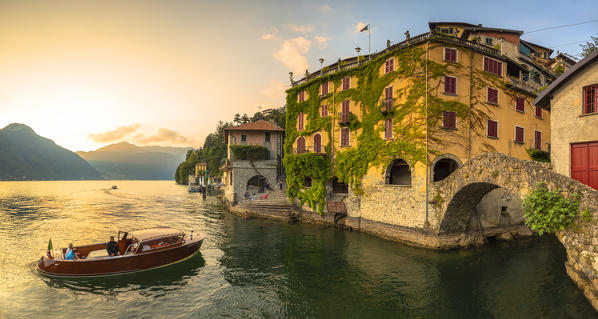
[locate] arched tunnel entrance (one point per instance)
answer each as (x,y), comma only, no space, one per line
(256,184)
(485,209)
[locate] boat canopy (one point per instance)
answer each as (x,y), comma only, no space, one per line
(146,234)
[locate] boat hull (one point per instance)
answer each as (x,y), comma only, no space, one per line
(108,266)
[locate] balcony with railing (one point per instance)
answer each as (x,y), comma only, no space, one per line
(529,86)
(344,118)
(354,62)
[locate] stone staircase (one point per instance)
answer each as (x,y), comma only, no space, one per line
(276,206)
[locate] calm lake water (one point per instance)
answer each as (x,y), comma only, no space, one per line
(261,269)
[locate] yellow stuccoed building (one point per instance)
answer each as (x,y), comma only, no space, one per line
(375,132)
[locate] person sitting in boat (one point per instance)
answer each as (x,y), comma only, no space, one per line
(70,253)
(112,247)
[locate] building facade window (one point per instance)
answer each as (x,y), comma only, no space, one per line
(388,129)
(489,41)
(398,173)
(449,119)
(345,136)
(538,140)
(301,96)
(492,129)
(450,55)
(388,98)
(538,112)
(301,145)
(243,138)
(345,111)
(318,143)
(450,85)
(519,134)
(324,88)
(492,96)
(346,83)
(325,110)
(300,123)
(492,66)
(267,137)
(590,94)
(520,104)
(389,65)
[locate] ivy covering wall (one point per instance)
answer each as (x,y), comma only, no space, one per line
(411,119)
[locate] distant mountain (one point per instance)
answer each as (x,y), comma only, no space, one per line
(24,155)
(128,161)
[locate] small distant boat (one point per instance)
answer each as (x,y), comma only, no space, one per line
(195,189)
(141,249)
(114,187)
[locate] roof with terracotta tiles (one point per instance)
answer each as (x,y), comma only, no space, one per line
(259,125)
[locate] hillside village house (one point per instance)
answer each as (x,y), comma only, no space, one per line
(252,171)
(383,135)
(573,100)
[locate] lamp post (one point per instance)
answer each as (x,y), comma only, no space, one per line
(321,61)
(358,49)
(291,77)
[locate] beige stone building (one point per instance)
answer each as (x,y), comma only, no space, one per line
(573,101)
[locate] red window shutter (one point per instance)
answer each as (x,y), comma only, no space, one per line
(345,111)
(300,121)
(450,85)
(538,140)
(538,111)
(492,96)
(388,98)
(387,129)
(301,145)
(301,96)
(520,104)
(317,143)
(591,99)
(493,66)
(346,83)
(492,128)
(344,136)
(450,54)
(519,134)
(324,88)
(324,110)
(449,120)
(486,64)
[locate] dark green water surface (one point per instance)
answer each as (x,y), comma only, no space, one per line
(261,269)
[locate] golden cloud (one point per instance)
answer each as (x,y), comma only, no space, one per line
(115,135)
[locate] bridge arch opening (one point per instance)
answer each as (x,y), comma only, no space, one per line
(398,173)
(256,184)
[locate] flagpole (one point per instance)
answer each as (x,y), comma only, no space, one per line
(369,48)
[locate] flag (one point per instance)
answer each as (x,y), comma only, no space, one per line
(367,26)
(49,247)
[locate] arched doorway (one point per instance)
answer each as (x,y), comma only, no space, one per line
(256,184)
(318,143)
(398,173)
(443,167)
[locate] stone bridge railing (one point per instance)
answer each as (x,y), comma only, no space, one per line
(453,201)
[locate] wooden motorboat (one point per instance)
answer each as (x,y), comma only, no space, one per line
(140,249)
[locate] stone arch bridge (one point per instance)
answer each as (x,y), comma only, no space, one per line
(453,200)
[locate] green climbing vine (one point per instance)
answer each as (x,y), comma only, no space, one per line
(549,211)
(420,85)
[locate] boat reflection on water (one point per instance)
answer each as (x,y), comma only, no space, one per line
(165,279)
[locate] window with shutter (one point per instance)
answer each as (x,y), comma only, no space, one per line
(344,136)
(492,96)
(346,83)
(324,88)
(492,129)
(301,96)
(590,94)
(519,134)
(300,124)
(538,112)
(317,143)
(450,55)
(520,104)
(492,66)
(450,85)
(325,110)
(538,140)
(345,111)
(388,98)
(450,120)
(388,129)
(301,145)
(389,65)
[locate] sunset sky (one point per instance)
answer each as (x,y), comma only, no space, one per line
(90,73)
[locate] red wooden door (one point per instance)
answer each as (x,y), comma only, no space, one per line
(584,163)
